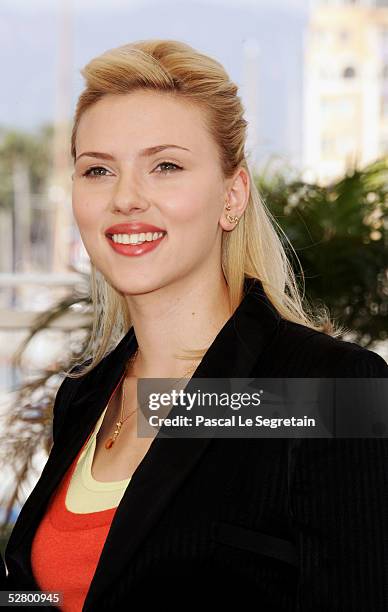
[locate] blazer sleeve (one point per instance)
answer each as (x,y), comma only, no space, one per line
(338,500)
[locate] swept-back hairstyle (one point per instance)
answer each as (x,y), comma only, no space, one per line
(253,248)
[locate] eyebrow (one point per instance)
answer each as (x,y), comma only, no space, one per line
(147,152)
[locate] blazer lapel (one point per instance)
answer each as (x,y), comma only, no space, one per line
(233,354)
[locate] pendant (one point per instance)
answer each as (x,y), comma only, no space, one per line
(110,441)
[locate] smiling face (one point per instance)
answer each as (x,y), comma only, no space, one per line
(179,191)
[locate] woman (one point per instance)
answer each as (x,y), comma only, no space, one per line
(190,278)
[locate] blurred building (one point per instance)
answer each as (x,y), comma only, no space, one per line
(345,97)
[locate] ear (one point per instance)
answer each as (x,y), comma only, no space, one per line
(237,195)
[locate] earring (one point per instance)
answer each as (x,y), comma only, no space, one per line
(229,217)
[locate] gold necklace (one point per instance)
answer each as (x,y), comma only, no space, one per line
(112,439)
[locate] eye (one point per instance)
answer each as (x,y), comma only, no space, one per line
(90,171)
(167,163)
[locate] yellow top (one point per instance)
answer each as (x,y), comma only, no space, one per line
(85,494)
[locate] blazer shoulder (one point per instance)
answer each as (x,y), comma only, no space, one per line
(65,392)
(307,352)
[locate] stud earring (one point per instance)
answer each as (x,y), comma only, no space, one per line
(228,216)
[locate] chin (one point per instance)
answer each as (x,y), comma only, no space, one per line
(134,287)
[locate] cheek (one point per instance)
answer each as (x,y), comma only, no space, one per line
(193,226)
(194,206)
(86,213)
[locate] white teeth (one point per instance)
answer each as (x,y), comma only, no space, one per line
(136,238)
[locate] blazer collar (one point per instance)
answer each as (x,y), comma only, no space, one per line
(233,354)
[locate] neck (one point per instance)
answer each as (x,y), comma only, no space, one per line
(185,315)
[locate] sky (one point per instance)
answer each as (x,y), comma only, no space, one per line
(29,34)
(32,6)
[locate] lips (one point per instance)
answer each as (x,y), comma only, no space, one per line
(139,248)
(132,228)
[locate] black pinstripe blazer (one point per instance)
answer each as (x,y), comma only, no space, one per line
(295,524)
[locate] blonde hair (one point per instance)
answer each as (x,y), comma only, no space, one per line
(253,248)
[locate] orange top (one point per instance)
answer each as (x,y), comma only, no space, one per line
(67,546)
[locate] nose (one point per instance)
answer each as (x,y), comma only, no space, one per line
(126,198)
